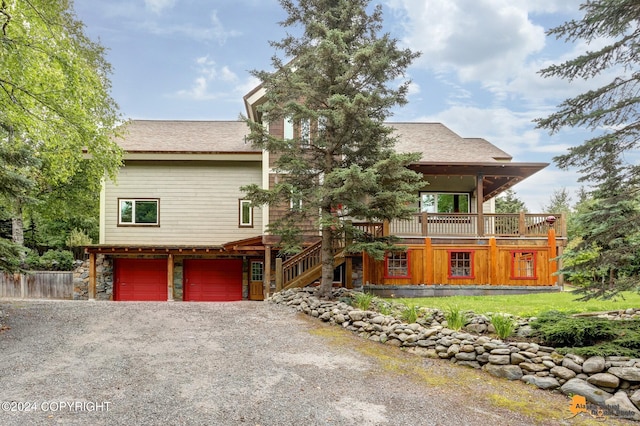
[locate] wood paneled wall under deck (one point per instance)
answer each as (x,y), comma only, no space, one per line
(493,262)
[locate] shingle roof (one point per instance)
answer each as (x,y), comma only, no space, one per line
(186,136)
(436,142)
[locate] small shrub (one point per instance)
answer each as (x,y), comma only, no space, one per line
(504,325)
(362,301)
(52,260)
(456,319)
(78,238)
(410,313)
(560,330)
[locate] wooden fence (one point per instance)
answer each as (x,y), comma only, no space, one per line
(37,285)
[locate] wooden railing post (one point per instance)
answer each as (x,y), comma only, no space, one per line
(267,272)
(425,224)
(522,225)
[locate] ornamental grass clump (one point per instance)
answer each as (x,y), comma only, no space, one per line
(456,319)
(362,301)
(410,313)
(504,325)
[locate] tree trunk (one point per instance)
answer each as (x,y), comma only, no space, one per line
(17,227)
(326,282)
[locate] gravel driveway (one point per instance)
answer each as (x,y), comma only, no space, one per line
(239,363)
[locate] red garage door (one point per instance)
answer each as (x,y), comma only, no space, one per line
(212,280)
(140,279)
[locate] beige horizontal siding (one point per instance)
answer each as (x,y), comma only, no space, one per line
(198,202)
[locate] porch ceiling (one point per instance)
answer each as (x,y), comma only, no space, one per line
(496,177)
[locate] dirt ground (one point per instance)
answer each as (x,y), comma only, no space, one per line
(238,363)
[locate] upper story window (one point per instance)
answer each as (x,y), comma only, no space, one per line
(432,202)
(245,214)
(141,211)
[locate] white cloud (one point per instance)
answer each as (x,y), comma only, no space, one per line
(215,32)
(203,86)
(480,40)
(157,6)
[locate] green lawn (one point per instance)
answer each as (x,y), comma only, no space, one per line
(526,305)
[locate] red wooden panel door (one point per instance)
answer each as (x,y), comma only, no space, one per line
(140,279)
(212,280)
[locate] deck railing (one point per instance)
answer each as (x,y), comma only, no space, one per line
(466,224)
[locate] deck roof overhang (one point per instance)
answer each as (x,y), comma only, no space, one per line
(496,177)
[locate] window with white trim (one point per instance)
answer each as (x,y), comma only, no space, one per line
(138,211)
(245,214)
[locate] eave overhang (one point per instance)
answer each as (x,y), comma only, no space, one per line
(496,177)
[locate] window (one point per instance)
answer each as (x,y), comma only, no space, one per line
(138,212)
(305,133)
(431,202)
(245,214)
(523,265)
(461,264)
(397,265)
(295,202)
(257,271)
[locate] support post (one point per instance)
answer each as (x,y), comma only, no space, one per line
(170,266)
(348,271)
(479,203)
(267,271)
(278,274)
(428,262)
(92,276)
(553,253)
(493,262)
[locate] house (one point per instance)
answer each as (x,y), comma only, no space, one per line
(174,224)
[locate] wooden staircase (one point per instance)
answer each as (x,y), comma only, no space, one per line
(305,267)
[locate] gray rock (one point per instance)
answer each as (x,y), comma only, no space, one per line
(356,315)
(524,331)
(635,398)
(466,356)
(506,351)
(571,365)
(500,359)
(621,406)
(592,365)
(592,393)
(533,367)
(626,373)
(516,358)
(509,372)
(476,328)
(377,319)
(605,380)
(563,373)
(547,383)
(472,364)
(453,350)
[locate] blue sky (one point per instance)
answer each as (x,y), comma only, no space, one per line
(190,60)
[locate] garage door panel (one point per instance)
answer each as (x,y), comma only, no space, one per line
(141,279)
(210,280)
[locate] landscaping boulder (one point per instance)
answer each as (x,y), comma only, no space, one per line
(581,387)
(595,364)
(509,372)
(620,406)
(547,383)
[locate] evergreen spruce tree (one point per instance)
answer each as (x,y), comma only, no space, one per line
(337,81)
(609,224)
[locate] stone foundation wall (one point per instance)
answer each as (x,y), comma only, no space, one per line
(612,382)
(104,279)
